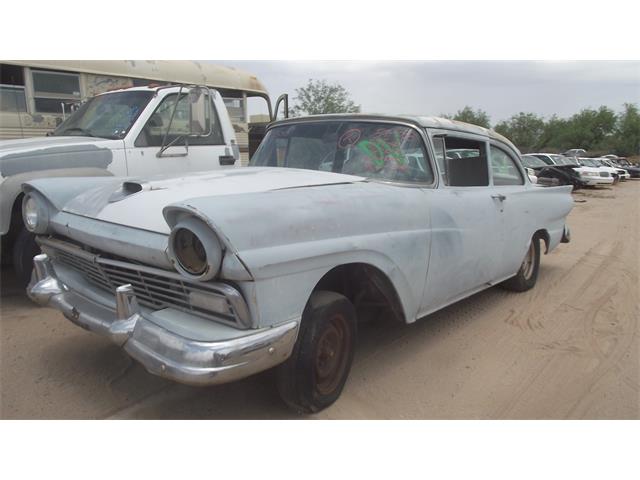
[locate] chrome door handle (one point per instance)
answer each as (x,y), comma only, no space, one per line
(499,196)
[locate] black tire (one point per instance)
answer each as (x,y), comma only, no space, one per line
(527,276)
(313,377)
(24,249)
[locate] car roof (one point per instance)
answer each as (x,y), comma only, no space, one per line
(418,120)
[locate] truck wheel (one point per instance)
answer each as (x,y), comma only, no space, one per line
(24,249)
(527,276)
(313,376)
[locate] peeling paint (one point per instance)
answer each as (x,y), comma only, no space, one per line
(66,156)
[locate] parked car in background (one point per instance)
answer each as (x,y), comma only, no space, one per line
(594,163)
(575,152)
(553,174)
(211,277)
(554,159)
(462,153)
(623,174)
(634,170)
(593,175)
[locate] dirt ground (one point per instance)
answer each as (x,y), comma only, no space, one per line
(569,348)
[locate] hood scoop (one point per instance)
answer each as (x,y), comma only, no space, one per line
(128,188)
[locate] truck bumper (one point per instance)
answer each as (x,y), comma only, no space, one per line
(160,351)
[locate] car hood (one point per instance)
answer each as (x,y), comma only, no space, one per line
(138,202)
(47,153)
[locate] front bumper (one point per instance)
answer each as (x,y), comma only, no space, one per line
(591,181)
(163,352)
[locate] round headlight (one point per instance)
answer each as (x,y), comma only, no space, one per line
(195,249)
(30,213)
(35,213)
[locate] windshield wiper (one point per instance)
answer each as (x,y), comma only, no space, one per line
(78,129)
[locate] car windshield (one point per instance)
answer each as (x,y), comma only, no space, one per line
(106,116)
(368,149)
(532,162)
(589,162)
(562,160)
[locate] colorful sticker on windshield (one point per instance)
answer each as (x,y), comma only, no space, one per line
(349,138)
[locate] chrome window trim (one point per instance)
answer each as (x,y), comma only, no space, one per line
(524,176)
(434,132)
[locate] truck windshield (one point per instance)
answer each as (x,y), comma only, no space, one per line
(106,116)
(368,149)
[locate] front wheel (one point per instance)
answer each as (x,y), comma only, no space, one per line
(313,376)
(527,276)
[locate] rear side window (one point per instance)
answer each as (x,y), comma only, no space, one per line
(463,163)
(503,168)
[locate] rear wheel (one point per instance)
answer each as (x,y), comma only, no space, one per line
(527,276)
(24,249)
(313,377)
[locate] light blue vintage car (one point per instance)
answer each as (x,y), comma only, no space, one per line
(210,277)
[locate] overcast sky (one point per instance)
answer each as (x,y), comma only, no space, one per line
(501,88)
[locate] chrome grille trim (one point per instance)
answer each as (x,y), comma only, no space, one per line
(154,288)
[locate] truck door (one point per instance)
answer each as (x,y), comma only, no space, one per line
(257,130)
(169,125)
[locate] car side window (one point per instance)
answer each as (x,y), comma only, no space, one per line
(464,163)
(503,168)
(156,127)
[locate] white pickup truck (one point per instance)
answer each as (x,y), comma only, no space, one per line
(128,132)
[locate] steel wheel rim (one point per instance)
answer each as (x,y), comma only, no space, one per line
(527,264)
(332,354)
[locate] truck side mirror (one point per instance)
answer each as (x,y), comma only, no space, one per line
(199,112)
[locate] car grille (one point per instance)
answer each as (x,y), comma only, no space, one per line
(154,288)
(604,174)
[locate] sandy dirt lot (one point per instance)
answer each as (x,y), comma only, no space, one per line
(567,349)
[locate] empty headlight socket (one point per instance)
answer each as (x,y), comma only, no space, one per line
(210,243)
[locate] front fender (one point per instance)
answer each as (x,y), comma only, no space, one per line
(284,293)
(11,187)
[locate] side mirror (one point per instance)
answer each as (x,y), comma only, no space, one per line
(199,112)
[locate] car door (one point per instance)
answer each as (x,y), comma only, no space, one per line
(203,153)
(465,222)
(514,198)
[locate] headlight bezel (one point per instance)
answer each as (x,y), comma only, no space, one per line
(35,204)
(211,247)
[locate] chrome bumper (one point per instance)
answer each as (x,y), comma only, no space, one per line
(159,350)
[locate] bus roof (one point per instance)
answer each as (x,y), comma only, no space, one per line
(172,71)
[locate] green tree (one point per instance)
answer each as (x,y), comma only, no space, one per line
(591,129)
(469,115)
(627,132)
(554,135)
(524,129)
(319,97)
